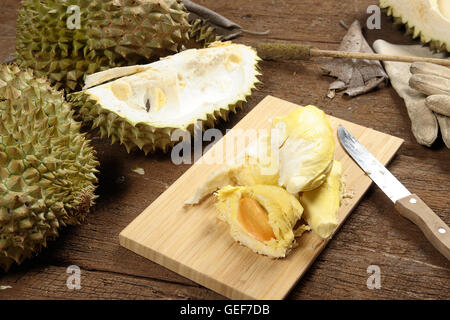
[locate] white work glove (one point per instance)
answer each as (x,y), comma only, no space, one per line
(425,123)
(434,82)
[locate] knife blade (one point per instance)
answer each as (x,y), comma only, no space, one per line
(393,188)
(408,205)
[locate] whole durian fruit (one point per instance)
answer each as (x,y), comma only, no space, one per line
(110,33)
(47,167)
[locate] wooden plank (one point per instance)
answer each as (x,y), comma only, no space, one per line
(97,285)
(191,241)
(8,16)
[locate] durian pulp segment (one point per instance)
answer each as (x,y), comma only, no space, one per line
(299,161)
(283,212)
(427,19)
(183,88)
(307,150)
(257,164)
(322,204)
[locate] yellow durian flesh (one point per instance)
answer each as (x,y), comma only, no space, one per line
(307,149)
(302,167)
(257,165)
(322,204)
(283,212)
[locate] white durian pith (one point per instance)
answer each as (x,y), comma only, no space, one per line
(428,20)
(283,210)
(145,104)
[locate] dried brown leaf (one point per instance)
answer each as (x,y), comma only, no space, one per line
(355,76)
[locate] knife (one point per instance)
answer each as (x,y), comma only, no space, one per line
(408,205)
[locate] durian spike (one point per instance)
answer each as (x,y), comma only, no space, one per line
(286,51)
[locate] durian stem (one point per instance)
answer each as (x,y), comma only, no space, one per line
(210,15)
(283,51)
(238,32)
(277,51)
(256,33)
(217,19)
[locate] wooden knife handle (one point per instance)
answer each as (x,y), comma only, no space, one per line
(436,231)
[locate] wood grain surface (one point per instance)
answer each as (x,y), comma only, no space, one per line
(373,235)
(191,240)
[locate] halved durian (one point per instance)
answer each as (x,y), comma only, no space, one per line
(307,149)
(322,204)
(261,217)
(428,20)
(141,106)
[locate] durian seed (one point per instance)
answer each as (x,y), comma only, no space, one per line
(254,219)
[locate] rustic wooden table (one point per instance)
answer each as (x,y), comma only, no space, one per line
(374,234)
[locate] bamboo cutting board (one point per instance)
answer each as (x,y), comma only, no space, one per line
(194,243)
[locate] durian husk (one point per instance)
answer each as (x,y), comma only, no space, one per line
(201,34)
(141,136)
(434,44)
(47,167)
(144,136)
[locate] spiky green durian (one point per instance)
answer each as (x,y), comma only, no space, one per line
(144,105)
(47,168)
(428,20)
(201,34)
(110,33)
